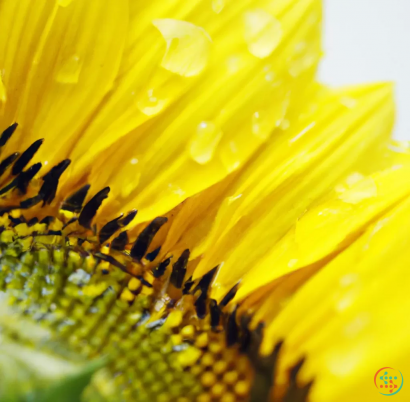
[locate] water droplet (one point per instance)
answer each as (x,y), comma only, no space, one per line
(234,64)
(361,191)
(134,161)
(349,279)
(303,58)
(218,5)
(150,104)
(130,183)
(354,178)
(269,77)
(204,142)
(263,32)
(188,47)
(69,71)
(349,102)
(313,18)
(261,125)
(358,324)
(230,156)
(303,132)
(285,124)
(344,361)
(64,3)
(176,189)
(234,198)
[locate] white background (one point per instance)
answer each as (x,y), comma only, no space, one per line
(369,40)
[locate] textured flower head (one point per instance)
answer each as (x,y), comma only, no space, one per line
(174,189)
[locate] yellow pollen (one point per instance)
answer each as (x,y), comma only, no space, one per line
(228,397)
(218,390)
(215,347)
(134,284)
(188,332)
(174,319)
(126,295)
(220,367)
(208,379)
(204,398)
(202,340)
(230,377)
(242,388)
(189,356)
(207,360)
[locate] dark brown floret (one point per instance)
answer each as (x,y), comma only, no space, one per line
(111,227)
(26,157)
(90,209)
(7,133)
(166,337)
(144,240)
(74,203)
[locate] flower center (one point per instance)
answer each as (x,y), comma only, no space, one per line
(103,295)
(159,349)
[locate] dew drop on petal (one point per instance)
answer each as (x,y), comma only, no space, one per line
(175,189)
(261,125)
(204,142)
(263,32)
(354,178)
(302,133)
(188,47)
(234,198)
(269,77)
(346,300)
(150,103)
(304,57)
(342,362)
(70,70)
(362,191)
(348,101)
(234,64)
(349,279)
(133,177)
(230,156)
(218,5)
(355,326)
(285,124)
(313,18)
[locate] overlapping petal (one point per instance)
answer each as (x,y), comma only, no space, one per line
(261,203)
(206,113)
(343,317)
(175,96)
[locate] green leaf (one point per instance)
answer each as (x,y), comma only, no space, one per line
(36,368)
(70,388)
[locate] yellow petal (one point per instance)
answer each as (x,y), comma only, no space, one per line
(332,226)
(63,68)
(176,158)
(342,317)
(297,167)
(188,46)
(22,24)
(3,95)
(260,28)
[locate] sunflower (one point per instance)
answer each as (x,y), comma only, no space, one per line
(186,208)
